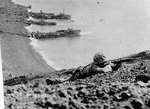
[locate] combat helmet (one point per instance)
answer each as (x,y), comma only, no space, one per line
(99,58)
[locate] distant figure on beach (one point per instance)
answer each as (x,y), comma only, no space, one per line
(99,65)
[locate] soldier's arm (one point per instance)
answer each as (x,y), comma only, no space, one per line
(96,69)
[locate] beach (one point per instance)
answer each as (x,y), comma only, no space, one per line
(18,56)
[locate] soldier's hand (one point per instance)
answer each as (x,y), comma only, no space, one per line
(107,68)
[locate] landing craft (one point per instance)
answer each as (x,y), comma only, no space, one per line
(59,33)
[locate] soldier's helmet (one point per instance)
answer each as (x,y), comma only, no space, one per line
(99,58)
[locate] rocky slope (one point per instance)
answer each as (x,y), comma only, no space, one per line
(127,88)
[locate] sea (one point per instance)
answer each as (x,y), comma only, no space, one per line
(115,28)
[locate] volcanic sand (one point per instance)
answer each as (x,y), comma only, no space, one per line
(18,57)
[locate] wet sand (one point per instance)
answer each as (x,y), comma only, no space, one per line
(18,57)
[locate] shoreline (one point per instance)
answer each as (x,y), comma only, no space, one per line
(33,43)
(18,56)
(35,46)
(39,57)
(36,53)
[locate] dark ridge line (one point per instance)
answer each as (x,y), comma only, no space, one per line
(20,80)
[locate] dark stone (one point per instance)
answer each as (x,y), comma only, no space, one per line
(87,106)
(47,90)
(105,97)
(99,93)
(148,86)
(9,91)
(112,91)
(70,93)
(59,106)
(10,106)
(37,92)
(124,96)
(148,103)
(75,96)
(52,82)
(56,106)
(48,81)
(63,107)
(61,94)
(81,94)
(48,104)
(136,104)
(126,107)
(69,88)
(36,85)
(143,78)
(79,88)
(125,88)
(43,105)
(106,106)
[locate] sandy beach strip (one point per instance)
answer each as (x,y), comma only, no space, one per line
(18,56)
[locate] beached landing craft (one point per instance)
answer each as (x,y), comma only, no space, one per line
(60,33)
(61,16)
(41,22)
(42,15)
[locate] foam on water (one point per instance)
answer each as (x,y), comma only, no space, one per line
(37,48)
(30,18)
(28,28)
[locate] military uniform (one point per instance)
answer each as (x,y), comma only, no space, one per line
(89,70)
(97,66)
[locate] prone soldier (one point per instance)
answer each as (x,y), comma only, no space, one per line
(99,65)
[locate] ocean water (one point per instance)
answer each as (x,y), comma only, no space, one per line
(114,27)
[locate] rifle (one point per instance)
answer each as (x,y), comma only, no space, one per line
(118,61)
